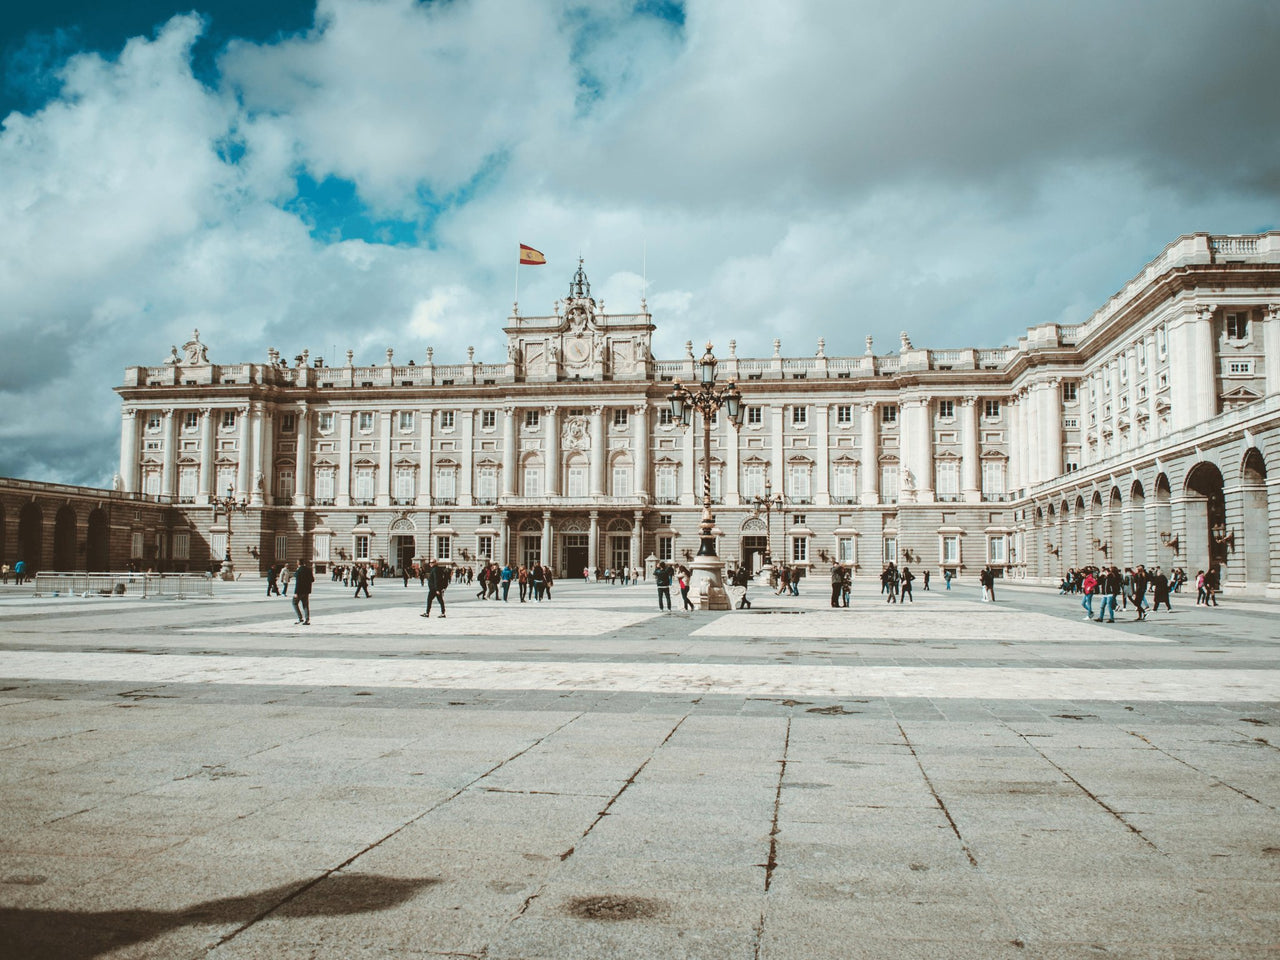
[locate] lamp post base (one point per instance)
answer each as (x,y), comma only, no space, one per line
(227,572)
(707,582)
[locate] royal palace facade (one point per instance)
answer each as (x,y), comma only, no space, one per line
(1146,434)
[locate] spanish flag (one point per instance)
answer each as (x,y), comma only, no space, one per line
(531,257)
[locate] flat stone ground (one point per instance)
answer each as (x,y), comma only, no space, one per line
(587,778)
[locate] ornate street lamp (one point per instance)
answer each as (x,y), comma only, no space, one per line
(769,502)
(707,568)
(226,505)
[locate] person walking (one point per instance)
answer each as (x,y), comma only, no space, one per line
(361,577)
(1139,582)
(1212,584)
(837,583)
(273,580)
(926,579)
(988,581)
(539,584)
(19,571)
(1090,585)
(1160,591)
(906,579)
(846,585)
(947,575)
(742,579)
(507,574)
(437,580)
(522,580)
(662,577)
(1109,587)
(683,581)
(547,582)
(302,582)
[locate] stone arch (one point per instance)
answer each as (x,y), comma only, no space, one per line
(98,541)
(64,538)
(1206,516)
(31,536)
(1254,535)
(1115,527)
(1166,536)
(1081,547)
(1136,514)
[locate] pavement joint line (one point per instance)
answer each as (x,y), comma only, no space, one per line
(1203,773)
(937,798)
(1087,792)
(772,862)
(377,843)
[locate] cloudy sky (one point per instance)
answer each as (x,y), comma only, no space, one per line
(357,174)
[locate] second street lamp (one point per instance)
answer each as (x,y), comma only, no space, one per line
(706,578)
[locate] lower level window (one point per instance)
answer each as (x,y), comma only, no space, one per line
(665,548)
(799,549)
(362,547)
(444,548)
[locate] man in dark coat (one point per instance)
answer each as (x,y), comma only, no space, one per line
(1160,591)
(302,581)
(437,580)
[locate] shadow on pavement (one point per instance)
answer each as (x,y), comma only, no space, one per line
(36,934)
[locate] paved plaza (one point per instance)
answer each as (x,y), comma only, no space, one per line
(590,778)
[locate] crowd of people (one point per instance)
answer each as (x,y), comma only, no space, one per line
(1126,588)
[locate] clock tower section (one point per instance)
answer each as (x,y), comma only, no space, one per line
(580,341)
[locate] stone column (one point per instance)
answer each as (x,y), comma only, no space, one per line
(1271,347)
(640,419)
(467,462)
(970,481)
(243,458)
(1153,388)
(593,543)
(870,466)
(776,465)
(509,452)
(1051,428)
(426,421)
(343,498)
(729,491)
(1192,377)
(204,488)
(552,433)
(1131,394)
(822,468)
(382,489)
(924,449)
(546,538)
(637,543)
(689,492)
(267,454)
(129,450)
(302,468)
(599,453)
(169,471)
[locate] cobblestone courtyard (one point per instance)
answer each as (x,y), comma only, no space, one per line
(590,778)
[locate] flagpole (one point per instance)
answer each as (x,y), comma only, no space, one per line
(515,306)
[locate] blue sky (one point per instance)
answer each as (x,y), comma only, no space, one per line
(357,174)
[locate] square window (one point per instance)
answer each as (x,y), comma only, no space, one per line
(844,414)
(406,421)
(287,422)
(621,417)
(946,409)
(1069,392)
(755,416)
(446,419)
(190,419)
(488,419)
(1237,326)
(531,419)
(991,409)
(365,421)
(229,419)
(799,416)
(324,421)
(889,413)
(664,417)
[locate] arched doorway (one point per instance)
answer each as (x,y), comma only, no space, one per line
(98,542)
(1166,536)
(754,548)
(1097,532)
(31,536)
(1254,535)
(403,544)
(1137,514)
(1115,533)
(64,539)
(1082,548)
(1206,508)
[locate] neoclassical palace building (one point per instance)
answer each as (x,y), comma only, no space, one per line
(1146,434)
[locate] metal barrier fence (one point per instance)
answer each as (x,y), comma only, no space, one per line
(176,585)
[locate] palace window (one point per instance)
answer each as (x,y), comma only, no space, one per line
(444,547)
(284,486)
(324,422)
(446,483)
(182,545)
(153,422)
(187,477)
(621,481)
(488,419)
(365,421)
(844,414)
(889,550)
(755,416)
(799,549)
(229,419)
(948,472)
(324,485)
(288,422)
(844,550)
(889,482)
(360,548)
(946,409)
(621,417)
(404,484)
(995,549)
(533,481)
(799,416)
(282,546)
(753,480)
(845,480)
(446,419)
(666,548)
(487,483)
(991,409)
(531,419)
(151,482)
(320,547)
(993,480)
(950,550)
(364,485)
(664,417)
(889,413)
(1069,392)
(190,419)
(798,519)
(405,418)
(1237,326)
(577,481)
(665,483)
(800,488)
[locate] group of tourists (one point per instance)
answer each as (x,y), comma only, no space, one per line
(1124,588)
(18,571)
(664,574)
(534,581)
(623,576)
